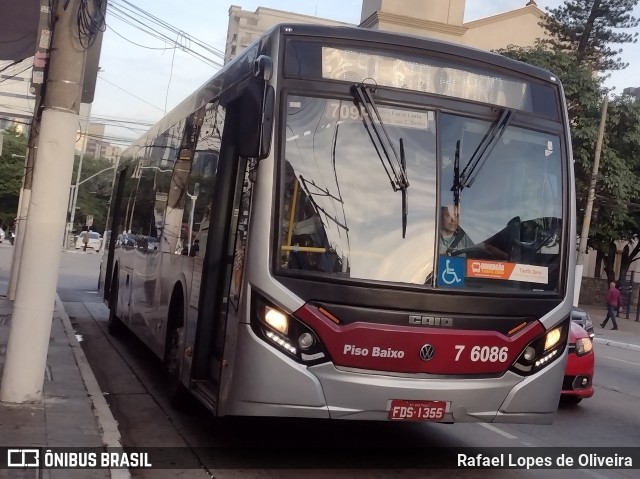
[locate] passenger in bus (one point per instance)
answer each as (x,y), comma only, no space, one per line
(452,236)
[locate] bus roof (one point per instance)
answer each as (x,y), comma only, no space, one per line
(414,41)
(333,33)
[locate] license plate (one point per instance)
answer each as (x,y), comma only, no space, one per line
(403,410)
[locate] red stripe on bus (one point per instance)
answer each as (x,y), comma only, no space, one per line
(393,348)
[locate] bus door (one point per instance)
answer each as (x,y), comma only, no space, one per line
(212,264)
(226,236)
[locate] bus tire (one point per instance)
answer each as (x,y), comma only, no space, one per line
(176,391)
(114,325)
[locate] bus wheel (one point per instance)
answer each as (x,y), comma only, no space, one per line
(114,325)
(177,391)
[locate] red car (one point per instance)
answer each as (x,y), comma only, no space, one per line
(578,375)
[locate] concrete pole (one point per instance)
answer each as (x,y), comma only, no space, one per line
(23,207)
(30,329)
(586,222)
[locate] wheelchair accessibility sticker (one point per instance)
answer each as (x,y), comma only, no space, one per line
(451,271)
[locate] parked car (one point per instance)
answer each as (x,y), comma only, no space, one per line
(152,243)
(578,374)
(1,235)
(581,317)
(95,241)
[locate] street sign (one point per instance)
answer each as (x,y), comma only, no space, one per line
(89,220)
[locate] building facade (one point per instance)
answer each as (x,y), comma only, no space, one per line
(444,20)
(440,19)
(16,99)
(244,27)
(91,143)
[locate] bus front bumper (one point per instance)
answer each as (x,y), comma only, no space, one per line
(268,383)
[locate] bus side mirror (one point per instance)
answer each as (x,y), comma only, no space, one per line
(257,104)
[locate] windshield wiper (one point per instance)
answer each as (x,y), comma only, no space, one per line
(405,198)
(396,168)
(373,122)
(484,149)
(479,157)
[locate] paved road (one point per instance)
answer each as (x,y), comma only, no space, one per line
(133,383)
(133,379)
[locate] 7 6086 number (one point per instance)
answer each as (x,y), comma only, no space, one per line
(484,354)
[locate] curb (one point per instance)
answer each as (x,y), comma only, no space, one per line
(106,422)
(617,344)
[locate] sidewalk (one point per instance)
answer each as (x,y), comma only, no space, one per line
(72,412)
(628,334)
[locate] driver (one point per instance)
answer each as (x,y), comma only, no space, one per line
(452,237)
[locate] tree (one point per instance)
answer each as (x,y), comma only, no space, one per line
(11,172)
(581,33)
(588,28)
(616,215)
(617,205)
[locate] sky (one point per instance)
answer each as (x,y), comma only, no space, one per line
(141,82)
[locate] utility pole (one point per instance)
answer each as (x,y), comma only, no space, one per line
(586,222)
(30,329)
(23,202)
(43,45)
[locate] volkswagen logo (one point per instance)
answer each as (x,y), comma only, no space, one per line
(426,352)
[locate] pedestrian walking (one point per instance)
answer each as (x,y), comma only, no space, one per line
(85,239)
(613,303)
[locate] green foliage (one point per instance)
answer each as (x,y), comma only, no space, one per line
(93,195)
(582,34)
(11,170)
(616,213)
(617,206)
(589,28)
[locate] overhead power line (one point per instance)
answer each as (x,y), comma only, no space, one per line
(129,93)
(204,45)
(163,31)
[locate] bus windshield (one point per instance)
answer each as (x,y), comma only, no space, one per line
(341,217)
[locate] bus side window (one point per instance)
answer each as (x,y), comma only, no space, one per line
(240,243)
(159,159)
(203,175)
(201,183)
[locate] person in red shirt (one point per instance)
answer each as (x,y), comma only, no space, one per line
(613,303)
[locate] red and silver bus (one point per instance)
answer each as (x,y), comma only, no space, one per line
(350,224)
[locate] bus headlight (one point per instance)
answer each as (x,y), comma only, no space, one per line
(542,351)
(285,332)
(583,346)
(306,340)
(529,354)
(276,320)
(552,338)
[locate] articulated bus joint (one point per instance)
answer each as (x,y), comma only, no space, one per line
(543,350)
(285,332)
